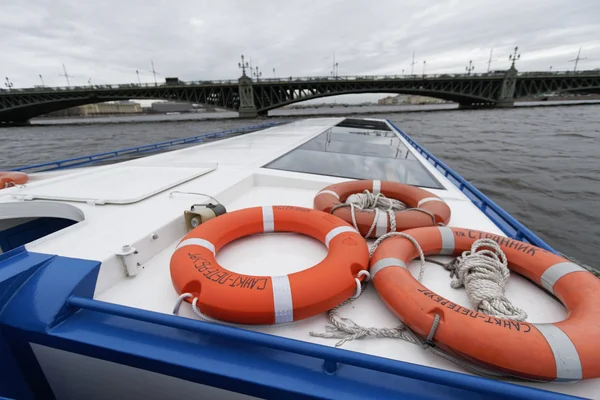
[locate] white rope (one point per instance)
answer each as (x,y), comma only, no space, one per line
(357,292)
(367,201)
(206,318)
(346,329)
(406,236)
(484,273)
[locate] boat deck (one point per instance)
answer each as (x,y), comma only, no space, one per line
(122,207)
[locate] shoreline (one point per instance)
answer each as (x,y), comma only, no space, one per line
(295,113)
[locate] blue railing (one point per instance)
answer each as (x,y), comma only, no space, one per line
(333,358)
(506,222)
(94,158)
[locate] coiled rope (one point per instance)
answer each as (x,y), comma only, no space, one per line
(483,271)
(346,329)
(367,201)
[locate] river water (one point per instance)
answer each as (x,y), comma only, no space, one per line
(539,164)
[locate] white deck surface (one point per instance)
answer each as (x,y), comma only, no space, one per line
(239,182)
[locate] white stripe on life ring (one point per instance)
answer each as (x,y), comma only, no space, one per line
(197,242)
(331,192)
(268,219)
(447,240)
(382,223)
(568,363)
(282,299)
(557,271)
(427,200)
(384,263)
(376,187)
(336,231)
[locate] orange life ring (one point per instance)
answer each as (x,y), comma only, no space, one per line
(561,351)
(246,299)
(12,178)
(412,196)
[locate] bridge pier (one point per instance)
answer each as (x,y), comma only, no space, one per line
(506,103)
(248,112)
(247,107)
(506,96)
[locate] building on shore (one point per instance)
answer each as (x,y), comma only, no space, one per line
(389,101)
(123,107)
(408,99)
(110,108)
(414,99)
(168,107)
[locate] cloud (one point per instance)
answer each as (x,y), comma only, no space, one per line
(199,40)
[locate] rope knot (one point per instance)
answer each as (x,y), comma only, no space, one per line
(367,201)
(347,330)
(483,271)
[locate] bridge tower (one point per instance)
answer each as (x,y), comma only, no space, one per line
(506,95)
(247,107)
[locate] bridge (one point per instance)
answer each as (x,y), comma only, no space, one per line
(253,98)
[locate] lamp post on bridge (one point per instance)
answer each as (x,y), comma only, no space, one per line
(469,67)
(514,57)
(138,76)
(8,83)
(243,65)
(42,80)
(424,62)
(273,73)
(257,74)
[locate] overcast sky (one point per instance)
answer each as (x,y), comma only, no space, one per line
(197,40)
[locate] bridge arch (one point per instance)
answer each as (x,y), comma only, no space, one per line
(450,96)
(22,113)
(588,90)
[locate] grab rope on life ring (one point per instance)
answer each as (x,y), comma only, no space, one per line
(260,300)
(12,178)
(416,207)
(561,351)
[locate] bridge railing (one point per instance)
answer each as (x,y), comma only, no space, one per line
(296,79)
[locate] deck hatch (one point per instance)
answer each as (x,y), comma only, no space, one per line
(115,184)
(349,151)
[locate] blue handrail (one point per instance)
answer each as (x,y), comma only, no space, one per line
(85,160)
(330,356)
(500,217)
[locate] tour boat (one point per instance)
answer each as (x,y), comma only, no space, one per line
(203,268)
